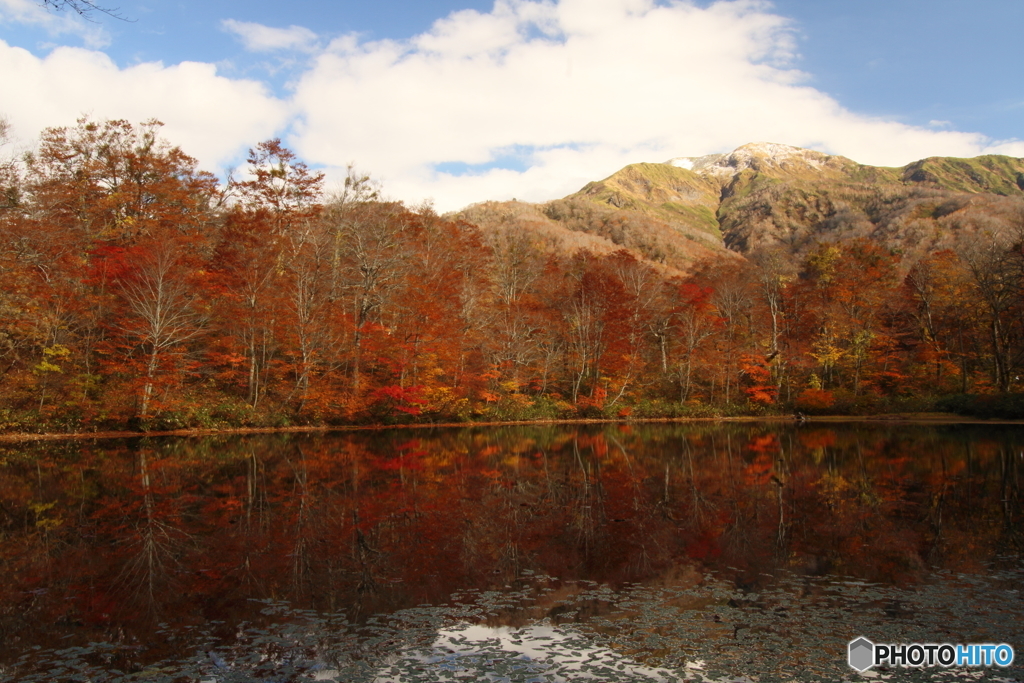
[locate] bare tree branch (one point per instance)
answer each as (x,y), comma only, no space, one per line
(83,7)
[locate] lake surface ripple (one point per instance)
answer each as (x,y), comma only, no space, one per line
(633,552)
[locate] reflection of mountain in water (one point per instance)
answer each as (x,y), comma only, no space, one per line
(160,547)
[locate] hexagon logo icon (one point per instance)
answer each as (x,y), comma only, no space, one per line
(861,654)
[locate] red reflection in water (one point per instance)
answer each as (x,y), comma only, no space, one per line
(117,540)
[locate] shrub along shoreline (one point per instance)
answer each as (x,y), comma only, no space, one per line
(962,409)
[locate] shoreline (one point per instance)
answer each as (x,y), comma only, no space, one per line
(904,418)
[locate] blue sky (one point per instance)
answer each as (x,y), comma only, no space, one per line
(465,101)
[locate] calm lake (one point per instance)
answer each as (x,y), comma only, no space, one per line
(660,552)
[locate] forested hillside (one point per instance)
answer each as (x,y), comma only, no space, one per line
(766,195)
(135,290)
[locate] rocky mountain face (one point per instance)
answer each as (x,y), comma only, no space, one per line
(768,195)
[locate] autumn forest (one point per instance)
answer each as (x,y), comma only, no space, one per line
(138,291)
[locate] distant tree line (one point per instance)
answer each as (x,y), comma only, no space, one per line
(136,290)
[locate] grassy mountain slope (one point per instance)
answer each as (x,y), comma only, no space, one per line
(662,191)
(763,194)
(986,174)
(919,208)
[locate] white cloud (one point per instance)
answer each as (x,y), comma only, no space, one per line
(33,13)
(596,83)
(260,38)
(210,117)
(578,87)
(1012,148)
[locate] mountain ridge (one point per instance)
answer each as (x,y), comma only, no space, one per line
(760,195)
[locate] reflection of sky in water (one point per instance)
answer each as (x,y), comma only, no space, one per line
(795,628)
(540,652)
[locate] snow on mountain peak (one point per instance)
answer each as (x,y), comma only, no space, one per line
(757,156)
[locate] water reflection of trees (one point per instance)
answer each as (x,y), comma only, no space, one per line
(100,536)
